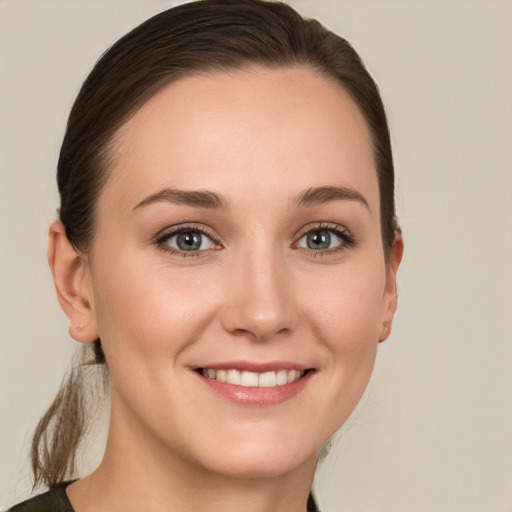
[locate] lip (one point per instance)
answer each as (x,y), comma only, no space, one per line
(258,367)
(257,396)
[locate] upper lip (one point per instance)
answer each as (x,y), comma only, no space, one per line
(256,367)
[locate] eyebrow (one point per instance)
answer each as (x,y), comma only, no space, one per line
(198,198)
(206,199)
(320,195)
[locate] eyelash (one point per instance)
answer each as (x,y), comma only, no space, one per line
(347,240)
(161,241)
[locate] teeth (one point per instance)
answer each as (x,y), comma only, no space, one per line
(268,380)
(253,379)
(233,377)
(249,379)
(281,377)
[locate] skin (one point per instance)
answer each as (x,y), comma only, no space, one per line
(258,138)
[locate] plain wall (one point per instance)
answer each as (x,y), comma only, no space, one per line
(434,430)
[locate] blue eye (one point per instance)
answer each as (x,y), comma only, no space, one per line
(323,240)
(189,241)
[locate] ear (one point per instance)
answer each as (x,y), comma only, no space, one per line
(390,291)
(72,279)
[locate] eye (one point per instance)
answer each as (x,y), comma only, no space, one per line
(187,240)
(325,239)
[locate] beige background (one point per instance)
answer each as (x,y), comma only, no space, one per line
(434,431)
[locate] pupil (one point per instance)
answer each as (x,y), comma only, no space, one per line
(319,240)
(189,241)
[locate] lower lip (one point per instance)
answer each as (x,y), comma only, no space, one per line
(255,395)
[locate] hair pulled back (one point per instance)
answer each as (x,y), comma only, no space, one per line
(201,36)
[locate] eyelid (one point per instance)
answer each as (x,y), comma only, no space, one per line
(319,226)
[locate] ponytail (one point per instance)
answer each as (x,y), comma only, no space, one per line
(59,433)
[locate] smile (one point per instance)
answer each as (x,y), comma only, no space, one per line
(249,383)
(249,379)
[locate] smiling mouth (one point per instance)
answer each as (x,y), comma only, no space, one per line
(249,379)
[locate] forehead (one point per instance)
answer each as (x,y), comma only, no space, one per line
(245,132)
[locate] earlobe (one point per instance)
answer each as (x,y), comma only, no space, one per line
(390,292)
(73,285)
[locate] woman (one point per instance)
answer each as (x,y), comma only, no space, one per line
(227,246)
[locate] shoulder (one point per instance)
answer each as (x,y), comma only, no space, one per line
(54,500)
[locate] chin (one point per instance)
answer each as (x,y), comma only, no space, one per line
(261,467)
(262,456)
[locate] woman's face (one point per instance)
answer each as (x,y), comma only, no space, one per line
(237,272)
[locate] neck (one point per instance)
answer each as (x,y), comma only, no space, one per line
(143,475)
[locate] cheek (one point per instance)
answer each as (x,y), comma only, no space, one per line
(346,317)
(349,301)
(147,313)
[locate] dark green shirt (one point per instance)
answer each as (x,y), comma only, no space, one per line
(56,500)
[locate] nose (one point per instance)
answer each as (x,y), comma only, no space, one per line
(259,297)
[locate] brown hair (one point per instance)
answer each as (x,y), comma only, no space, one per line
(206,35)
